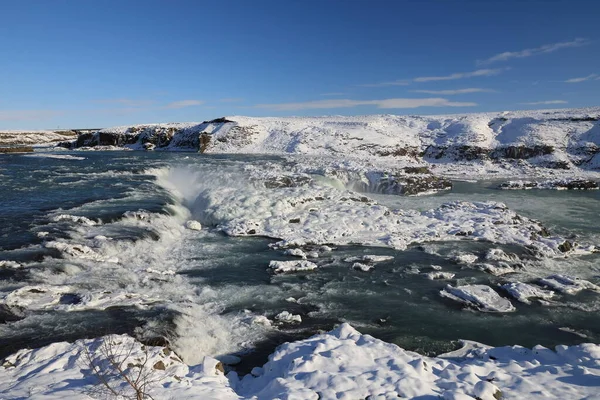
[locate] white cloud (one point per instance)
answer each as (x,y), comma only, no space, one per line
(384,103)
(28,115)
(126,102)
(460,75)
(583,78)
(184,103)
(536,103)
(454,91)
(547,48)
(231,100)
(399,82)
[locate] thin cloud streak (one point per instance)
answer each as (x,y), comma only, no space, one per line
(583,78)
(461,75)
(399,82)
(231,100)
(28,115)
(333,94)
(547,48)
(346,103)
(126,102)
(451,92)
(420,79)
(537,103)
(183,104)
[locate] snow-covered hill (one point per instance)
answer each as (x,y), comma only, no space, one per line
(560,139)
(14,138)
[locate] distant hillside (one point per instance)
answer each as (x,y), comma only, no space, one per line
(19,138)
(547,138)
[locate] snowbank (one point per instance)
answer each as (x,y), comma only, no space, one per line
(341,364)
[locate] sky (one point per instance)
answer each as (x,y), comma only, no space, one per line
(74,64)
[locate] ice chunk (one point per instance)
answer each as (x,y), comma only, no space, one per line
(481,297)
(296,253)
(567,284)
(524,292)
(292,266)
(362,267)
(439,275)
(286,316)
(369,258)
(193,225)
(464,258)
(497,270)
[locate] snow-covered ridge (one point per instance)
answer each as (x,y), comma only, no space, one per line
(551,138)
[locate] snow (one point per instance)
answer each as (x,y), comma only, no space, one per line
(481,297)
(328,216)
(339,364)
(568,284)
(524,292)
(509,144)
(370,258)
(279,267)
(33,137)
(286,316)
(362,267)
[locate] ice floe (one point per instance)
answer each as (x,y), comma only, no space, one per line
(480,297)
(525,292)
(279,267)
(568,284)
(286,316)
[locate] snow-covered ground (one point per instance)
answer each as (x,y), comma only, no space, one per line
(566,142)
(341,364)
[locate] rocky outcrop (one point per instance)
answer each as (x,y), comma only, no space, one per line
(561,184)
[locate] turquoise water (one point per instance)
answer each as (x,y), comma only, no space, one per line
(229,275)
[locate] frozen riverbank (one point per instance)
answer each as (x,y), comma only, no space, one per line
(341,364)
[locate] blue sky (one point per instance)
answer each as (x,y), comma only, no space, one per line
(80,63)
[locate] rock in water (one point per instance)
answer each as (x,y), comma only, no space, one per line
(193,225)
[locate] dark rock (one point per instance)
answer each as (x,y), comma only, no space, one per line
(287,181)
(70,298)
(565,247)
(159,365)
(204,141)
(9,314)
(521,152)
(417,170)
(221,120)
